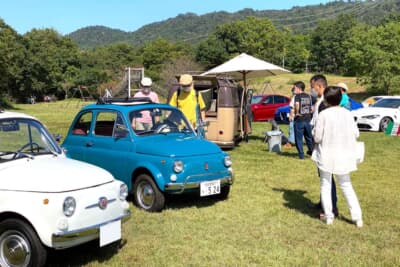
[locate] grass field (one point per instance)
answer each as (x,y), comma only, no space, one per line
(265,221)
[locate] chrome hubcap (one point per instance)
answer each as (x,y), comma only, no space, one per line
(14,249)
(145,195)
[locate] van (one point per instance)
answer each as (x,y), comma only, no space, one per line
(222,97)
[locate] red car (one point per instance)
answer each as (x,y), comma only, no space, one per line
(263,107)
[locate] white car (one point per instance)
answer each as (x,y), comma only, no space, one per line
(379,115)
(48,200)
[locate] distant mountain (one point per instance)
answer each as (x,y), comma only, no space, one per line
(93,36)
(194,28)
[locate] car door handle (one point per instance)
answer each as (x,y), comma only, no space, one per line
(89,144)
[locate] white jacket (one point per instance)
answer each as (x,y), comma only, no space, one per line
(335,134)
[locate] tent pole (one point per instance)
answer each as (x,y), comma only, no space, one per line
(242,105)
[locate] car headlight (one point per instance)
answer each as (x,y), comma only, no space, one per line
(69,206)
(370,117)
(227,161)
(178,166)
(123,192)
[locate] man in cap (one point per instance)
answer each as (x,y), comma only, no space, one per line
(186,99)
(144,122)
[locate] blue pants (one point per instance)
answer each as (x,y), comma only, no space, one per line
(302,129)
(291,133)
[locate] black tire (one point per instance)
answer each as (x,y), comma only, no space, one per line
(146,194)
(20,245)
(383,124)
(224,193)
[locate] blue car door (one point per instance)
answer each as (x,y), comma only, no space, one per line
(110,144)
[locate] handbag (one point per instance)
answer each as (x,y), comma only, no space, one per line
(360,151)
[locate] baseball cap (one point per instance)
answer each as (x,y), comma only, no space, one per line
(146,82)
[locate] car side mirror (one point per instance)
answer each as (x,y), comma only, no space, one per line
(204,123)
(57,137)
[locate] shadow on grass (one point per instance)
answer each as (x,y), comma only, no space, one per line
(295,199)
(83,254)
(188,200)
(289,154)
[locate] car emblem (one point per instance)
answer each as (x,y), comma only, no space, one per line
(206,166)
(103,203)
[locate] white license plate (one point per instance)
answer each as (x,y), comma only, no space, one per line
(110,232)
(210,188)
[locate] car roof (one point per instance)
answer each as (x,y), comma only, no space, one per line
(388,97)
(13,115)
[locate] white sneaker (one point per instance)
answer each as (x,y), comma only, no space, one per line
(359,223)
(329,221)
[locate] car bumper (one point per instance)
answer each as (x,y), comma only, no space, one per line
(72,238)
(368,125)
(178,188)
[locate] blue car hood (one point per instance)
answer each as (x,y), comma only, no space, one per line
(182,146)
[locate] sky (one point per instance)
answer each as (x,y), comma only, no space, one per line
(66,16)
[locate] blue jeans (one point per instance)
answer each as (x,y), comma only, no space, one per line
(302,129)
(291,133)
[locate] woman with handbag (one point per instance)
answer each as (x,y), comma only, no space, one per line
(335,135)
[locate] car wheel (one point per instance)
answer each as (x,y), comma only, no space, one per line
(147,195)
(20,245)
(224,193)
(383,124)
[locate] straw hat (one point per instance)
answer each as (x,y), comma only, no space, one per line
(186,80)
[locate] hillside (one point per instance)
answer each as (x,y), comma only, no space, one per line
(194,28)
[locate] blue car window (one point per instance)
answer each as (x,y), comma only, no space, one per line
(105,123)
(269,100)
(82,124)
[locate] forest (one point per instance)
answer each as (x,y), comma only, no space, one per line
(42,62)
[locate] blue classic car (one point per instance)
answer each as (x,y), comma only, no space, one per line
(152,148)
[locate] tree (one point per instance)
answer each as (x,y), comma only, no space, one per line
(172,68)
(12,54)
(297,53)
(49,57)
(255,36)
(327,44)
(156,53)
(374,55)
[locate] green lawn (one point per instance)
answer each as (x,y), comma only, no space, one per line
(265,221)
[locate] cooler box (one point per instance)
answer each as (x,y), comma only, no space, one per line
(274,141)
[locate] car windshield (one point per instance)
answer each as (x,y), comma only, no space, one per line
(387,103)
(24,138)
(255,99)
(150,121)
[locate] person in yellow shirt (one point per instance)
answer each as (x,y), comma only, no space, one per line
(186,99)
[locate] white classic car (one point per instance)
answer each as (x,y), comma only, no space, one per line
(48,200)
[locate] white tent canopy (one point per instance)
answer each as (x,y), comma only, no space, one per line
(246,66)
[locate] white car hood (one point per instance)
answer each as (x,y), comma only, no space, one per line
(50,174)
